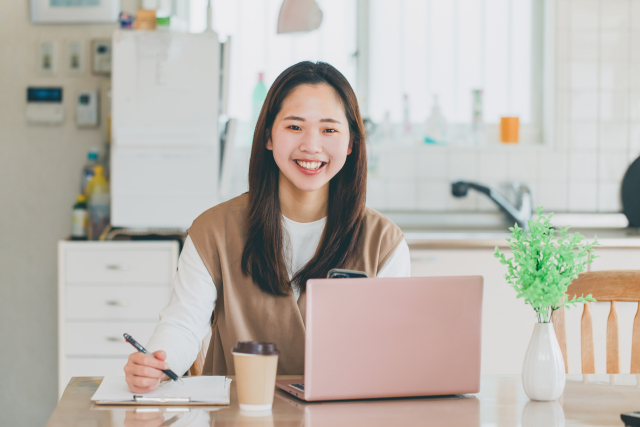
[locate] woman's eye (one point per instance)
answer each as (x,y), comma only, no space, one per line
(294,126)
(331,130)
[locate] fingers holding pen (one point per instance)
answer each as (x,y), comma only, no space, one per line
(143,372)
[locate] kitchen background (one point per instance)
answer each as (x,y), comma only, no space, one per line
(596,104)
(595,88)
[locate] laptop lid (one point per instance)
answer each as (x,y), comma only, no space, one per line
(392,337)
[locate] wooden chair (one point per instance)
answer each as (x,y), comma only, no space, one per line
(613,286)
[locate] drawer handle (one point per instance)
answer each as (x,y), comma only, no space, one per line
(117,267)
(117,303)
(114,339)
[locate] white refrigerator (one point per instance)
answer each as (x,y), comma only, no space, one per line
(165,154)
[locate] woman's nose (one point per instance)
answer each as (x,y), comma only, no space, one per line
(311,144)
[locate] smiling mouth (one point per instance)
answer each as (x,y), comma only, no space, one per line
(310,166)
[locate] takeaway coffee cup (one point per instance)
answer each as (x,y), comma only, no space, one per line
(256,366)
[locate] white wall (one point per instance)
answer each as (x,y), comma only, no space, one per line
(39,179)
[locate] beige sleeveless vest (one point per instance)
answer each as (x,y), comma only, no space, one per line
(243,311)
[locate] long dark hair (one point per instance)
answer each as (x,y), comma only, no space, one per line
(263,256)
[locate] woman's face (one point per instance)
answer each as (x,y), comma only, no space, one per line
(310,137)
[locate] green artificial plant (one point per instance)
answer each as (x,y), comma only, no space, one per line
(542,267)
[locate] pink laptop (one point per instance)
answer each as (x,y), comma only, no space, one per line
(391,337)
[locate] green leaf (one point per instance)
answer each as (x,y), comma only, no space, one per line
(542,266)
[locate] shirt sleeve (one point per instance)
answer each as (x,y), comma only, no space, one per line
(185,321)
(398,264)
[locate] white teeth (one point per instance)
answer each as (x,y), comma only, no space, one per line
(309,165)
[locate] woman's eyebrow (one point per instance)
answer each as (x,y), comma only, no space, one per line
(329,120)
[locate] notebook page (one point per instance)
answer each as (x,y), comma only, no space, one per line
(214,389)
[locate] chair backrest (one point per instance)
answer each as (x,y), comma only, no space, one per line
(613,285)
(198,365)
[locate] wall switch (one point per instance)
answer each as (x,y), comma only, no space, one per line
(101,56)
(87,109)
(46,59)
(44,105)
(74,57)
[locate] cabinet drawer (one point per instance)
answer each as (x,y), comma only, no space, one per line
(105,338)
(96,266)
(116,302)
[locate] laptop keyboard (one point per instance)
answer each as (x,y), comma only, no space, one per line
(298,386)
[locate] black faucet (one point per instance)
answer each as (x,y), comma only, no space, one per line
(520,214)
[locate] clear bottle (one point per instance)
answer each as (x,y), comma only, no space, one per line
(406,117)
(477,123)
(98,203)
(79,217)
(87,170)
(436,125)
(258,97)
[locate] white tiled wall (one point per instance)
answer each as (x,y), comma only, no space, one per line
(597,67)
(597,73)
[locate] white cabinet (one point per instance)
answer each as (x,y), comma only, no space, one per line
(507,323)
(104,290)
(616,259)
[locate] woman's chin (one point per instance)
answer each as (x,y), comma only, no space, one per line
(308,184)
(309,187)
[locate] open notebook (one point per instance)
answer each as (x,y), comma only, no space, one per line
(202,390)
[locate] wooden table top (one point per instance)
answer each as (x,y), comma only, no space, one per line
(588,400)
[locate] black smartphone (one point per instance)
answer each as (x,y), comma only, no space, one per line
(339,273)
(631,419)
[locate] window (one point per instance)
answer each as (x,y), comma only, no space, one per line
(257,48)
(417,48)
(423,48)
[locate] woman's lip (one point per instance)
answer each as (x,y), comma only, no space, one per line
(310,160)
(307,171)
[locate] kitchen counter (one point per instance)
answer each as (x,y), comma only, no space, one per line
(608,238)
(488,230)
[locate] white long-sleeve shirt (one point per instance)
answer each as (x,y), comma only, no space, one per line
(184,322)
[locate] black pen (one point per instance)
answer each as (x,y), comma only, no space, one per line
(128,338)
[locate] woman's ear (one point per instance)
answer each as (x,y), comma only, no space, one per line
(269,145)
(350,147)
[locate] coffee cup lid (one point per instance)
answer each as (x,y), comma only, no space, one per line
(256,347)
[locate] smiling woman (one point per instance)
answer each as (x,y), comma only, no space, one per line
(243,271)
(310,117)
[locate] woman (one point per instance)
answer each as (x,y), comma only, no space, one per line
(243,271)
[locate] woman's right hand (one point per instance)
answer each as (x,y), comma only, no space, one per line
(144,373)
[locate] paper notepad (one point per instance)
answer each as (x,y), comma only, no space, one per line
(203,390)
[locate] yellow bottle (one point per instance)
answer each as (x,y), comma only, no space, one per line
(79,216)
(97,192)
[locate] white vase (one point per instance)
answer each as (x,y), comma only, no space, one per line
(543,375)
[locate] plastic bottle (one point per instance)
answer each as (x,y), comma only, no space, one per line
(79,217)
(258,97)
(406,120)
(477,124)
(387,128)
(436,125)
(87,170)
(98,203)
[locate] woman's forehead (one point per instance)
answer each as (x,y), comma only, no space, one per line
(313,102)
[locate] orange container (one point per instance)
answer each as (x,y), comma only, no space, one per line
(509,127)
(145,20)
